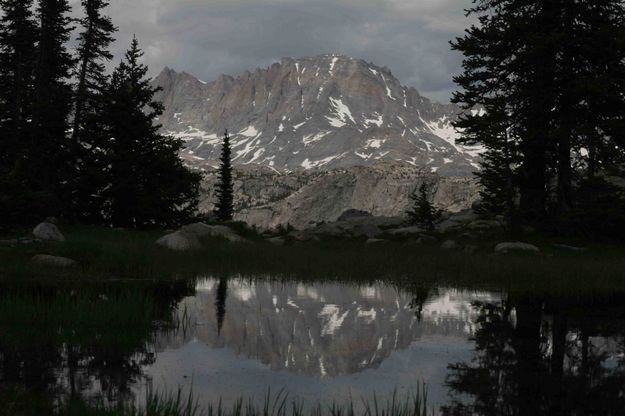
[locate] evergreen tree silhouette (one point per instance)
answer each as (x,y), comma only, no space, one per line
(225,200)
(93,53)
(549,76)
(18,37)
(423,213)
(147,183)
(51,164)
(87,138)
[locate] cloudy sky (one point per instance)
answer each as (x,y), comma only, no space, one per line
(210,37)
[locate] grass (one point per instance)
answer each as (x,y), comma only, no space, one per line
(106,254)
(19,402)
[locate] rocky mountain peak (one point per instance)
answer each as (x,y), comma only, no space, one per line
(324,111)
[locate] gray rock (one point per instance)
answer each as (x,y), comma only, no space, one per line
(485,225)
(303,236)
(277,241)
(8,243)
(448,226)
(449,245)
(503,248)
(200,230)
(349,229)
(465,216)
(570,248)
(354,214)
(406,231)
(48,232)
(55,261)
(179,241)
(375,241)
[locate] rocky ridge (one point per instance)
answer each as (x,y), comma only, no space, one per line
(266,199)
(323,112)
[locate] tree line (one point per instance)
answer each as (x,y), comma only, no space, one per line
(543,84)
(76,141)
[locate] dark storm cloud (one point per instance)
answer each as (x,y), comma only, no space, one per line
(209,37)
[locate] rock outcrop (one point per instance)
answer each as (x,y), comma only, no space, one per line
(267,199)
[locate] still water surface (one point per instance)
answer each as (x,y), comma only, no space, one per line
(485,353)
(319,343)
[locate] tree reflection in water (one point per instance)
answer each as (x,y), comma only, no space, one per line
(544,356)
(91,343)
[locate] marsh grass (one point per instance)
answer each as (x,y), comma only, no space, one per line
(413,403)
(106,254)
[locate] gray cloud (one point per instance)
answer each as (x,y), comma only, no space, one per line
(210,37)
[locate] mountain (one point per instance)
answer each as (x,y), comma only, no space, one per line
(326,112)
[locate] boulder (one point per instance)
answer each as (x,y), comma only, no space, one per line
(448,226)
(353,213)
(503,248)
(466,216)
(48,232)
(375,241)
(179,241)
(55,261)
(200,230)
(302,236)
(485,225)
(8,243)
(449,245)
(197,229)
(407,231)
(277,241)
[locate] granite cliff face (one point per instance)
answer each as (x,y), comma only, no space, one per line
(324,112)
(266,198)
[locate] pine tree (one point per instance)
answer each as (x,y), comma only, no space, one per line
(147,183)
(93,53)
(51,163)
(225,200)
(18,37)
(87,138)
(549,76)
(423,213)
(507,72)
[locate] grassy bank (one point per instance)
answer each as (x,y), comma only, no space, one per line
(105,254)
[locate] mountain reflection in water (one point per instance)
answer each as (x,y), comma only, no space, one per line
(481,353)
(325,330)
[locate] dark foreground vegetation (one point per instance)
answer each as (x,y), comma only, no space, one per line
(180,404)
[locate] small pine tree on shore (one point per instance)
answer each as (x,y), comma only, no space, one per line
(225,201)
(423,213)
